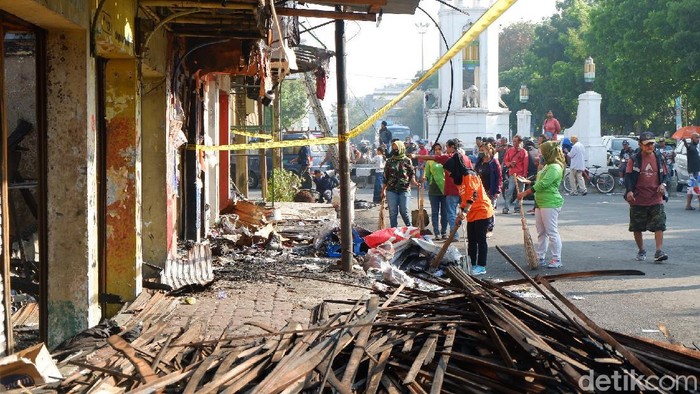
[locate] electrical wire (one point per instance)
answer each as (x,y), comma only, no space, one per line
(451,6)
(452,73)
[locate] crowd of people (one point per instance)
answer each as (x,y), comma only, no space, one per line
(462,187)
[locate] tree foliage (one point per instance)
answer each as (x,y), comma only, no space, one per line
(651,54)
(514,42)
(647,52)
(294,103)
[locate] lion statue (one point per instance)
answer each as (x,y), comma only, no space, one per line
(470,97)
(503,90)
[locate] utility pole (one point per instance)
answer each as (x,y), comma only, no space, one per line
(343,159)
(422,29)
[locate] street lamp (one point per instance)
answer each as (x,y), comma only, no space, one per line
(589,72)
(422,28)
(524,94)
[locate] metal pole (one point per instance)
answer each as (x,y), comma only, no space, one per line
(343,157)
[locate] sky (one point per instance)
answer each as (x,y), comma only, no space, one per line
(391,52)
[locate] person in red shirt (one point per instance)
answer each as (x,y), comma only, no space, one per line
(551,127)
(645,190)
(516,161)
(478,211)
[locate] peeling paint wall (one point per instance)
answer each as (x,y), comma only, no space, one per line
(123,167)
(71,186)
(116,29)
(211,166)
(155,176)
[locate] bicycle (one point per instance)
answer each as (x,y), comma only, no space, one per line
(602,181)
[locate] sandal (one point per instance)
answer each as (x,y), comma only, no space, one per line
(690,208)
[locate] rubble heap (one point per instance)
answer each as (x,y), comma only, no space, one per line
(466,336)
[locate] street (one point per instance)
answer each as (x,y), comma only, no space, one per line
(595,237)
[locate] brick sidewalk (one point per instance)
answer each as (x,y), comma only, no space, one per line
(226,309)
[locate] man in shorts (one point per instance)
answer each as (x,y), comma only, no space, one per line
(645,191)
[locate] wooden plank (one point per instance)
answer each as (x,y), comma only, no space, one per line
(631,357)
(308,361)
(359,349)
(420,359)
(375,375)
(122,346)
(438,379)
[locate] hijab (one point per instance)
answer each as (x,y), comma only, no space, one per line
(400,152)
(552,153)
(456,167)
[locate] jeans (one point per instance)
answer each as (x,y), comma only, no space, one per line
(477,248)
(452,204)
(510,192)
(546,223)
(438,209)
(492,219)
(378,184)
(398,203)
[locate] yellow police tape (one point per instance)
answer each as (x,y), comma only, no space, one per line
(251,135)
(470,35)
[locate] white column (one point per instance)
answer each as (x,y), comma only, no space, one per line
(524,122)
(587,128)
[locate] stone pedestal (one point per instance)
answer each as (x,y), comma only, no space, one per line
(524,123)
(587,128)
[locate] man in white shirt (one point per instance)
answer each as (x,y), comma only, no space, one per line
(578,165)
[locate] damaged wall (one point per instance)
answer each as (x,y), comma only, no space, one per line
(123,163)
(72,187)
(155,234)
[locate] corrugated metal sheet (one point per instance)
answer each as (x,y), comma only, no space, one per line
(193,267)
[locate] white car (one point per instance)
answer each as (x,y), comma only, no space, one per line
(681,166)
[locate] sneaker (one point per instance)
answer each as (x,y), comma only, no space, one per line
(554,264)
(542,262)
(642,255)
(516,210)
(505,211)
(584,192)
(478,270)
(660,256)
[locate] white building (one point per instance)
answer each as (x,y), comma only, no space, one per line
(474,109)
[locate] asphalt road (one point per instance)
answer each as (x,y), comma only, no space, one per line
(595,237)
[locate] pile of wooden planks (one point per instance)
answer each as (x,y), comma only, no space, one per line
(469,336)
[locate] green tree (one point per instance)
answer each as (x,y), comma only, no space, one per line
(555,62)
(411,112)
(294,102)
(651,54)
(514,43)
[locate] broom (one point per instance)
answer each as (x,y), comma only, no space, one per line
(530,253)
(381,214)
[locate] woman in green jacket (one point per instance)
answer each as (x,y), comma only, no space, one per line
(435,175)
(549,202)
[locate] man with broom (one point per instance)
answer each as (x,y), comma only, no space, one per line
(549,202)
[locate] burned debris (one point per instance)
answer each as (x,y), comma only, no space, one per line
(467,335)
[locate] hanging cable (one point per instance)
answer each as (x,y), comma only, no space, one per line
(451,6)
(452,74)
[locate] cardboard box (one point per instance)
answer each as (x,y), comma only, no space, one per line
(29,367)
